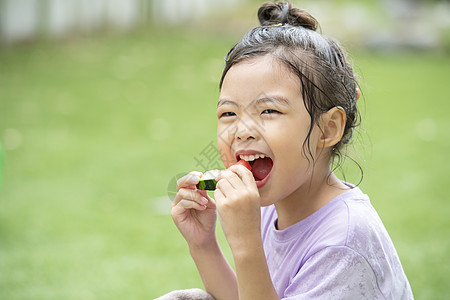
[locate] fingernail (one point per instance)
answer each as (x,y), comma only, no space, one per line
(204,200)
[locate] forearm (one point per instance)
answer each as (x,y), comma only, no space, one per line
(239,208)
(217,275)
(252,272)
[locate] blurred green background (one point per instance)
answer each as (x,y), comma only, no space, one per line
(95,126)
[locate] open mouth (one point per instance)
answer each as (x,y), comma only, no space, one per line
(261,165)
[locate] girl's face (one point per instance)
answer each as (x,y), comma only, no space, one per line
(262,119)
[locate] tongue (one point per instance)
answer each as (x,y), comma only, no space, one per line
(262,167)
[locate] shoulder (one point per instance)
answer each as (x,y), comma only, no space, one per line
(335,223)
(331,225)
(368,237)
(361,219)
(366,232)
(350,221)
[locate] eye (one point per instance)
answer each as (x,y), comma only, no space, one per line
(227,114)
(270,111)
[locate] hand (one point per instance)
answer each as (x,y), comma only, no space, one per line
(238,204)
(194,212)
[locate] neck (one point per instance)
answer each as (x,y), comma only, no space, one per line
(309,198)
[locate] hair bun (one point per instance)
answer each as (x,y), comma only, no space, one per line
(272,13)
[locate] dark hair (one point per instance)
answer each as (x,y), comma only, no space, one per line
(326,77)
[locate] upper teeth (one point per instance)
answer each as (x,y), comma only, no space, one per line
(251,157)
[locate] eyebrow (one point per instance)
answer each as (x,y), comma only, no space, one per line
(273,100)
(227,101)
(263,100)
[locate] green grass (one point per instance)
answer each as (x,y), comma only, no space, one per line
(94,129)
(407,169)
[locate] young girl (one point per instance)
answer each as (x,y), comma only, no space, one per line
(287,105)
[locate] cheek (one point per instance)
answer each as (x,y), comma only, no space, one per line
(287,145)
(224,141)
(288,139)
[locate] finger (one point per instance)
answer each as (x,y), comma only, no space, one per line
(245,174)
(232,178)
(190,179)
(218,195)
(211,203)
(212,173)
(186,204)
(191,195)
(224,186)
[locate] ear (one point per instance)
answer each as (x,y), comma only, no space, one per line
(332,124)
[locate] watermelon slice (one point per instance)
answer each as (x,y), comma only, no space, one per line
(208,181)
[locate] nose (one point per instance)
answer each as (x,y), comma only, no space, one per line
(246,130)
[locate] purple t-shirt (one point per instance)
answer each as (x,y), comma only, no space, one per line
(342,251)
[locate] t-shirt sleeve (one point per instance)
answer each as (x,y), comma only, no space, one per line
(336,272)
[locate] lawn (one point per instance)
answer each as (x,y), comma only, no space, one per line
(94,130)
